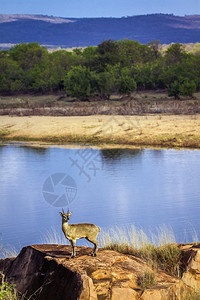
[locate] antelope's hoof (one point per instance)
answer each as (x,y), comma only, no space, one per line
(93,254)
(72,256)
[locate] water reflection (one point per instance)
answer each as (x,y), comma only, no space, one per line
(35,149)
(117,154)
(146,188)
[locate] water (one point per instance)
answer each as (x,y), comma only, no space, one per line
(144,187)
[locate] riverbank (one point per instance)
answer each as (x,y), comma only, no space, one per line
(138,103)
(147,130)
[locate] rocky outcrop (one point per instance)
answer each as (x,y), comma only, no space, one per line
(48,272)
(191,265)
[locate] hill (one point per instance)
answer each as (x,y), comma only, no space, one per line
(76,32)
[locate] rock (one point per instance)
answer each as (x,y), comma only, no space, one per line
(48,272)
(191,265)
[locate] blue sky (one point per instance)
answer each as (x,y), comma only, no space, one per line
(98,8)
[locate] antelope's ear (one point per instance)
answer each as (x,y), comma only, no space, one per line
(70,213)
(60,214)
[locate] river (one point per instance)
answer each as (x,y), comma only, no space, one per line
(148,188)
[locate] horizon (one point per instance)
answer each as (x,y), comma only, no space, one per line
(67,17)
(99,8)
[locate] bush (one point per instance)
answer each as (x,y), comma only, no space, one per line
(174,90)
(80,82)
(7,291)
(146,280)
(188,88)
(126,83)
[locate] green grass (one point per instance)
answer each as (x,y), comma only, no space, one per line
(3,133)
(146,280)
(7,291)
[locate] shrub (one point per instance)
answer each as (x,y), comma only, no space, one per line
(188,88)
(7,291)
(174,89)
(146,280)
(80,82)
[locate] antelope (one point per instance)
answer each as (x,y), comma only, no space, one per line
(74,232)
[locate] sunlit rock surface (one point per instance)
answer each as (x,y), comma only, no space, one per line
(48,272)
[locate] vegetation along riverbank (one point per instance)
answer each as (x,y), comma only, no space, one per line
(111,67)
(119,92)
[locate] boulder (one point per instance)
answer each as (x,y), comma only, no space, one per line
(48,272)
(191,265)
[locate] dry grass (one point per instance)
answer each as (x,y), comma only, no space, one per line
(9,252)
(191,295)
(53,236)
(150,130)
(158,250)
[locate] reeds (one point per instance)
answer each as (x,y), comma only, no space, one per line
(53,236)
(157,249)
(8,252)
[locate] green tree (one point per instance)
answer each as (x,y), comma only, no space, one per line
(187,88)
(107,54)
(126,83)
(9,73)
(106,84)
(154,45)
(28,55)
(132,53)
(174,89)
(80,82)
(174,54)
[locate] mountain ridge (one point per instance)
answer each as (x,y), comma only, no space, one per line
(79,32)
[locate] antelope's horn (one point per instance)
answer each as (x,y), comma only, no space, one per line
(68,211)
(63,210)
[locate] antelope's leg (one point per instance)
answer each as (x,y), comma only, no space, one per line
(96,244)
(73,243)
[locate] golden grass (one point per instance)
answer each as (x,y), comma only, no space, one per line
(9,252)
(191,295)
(157,249)
(53,236)
(148,130)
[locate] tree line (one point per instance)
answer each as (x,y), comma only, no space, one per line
(111,67)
